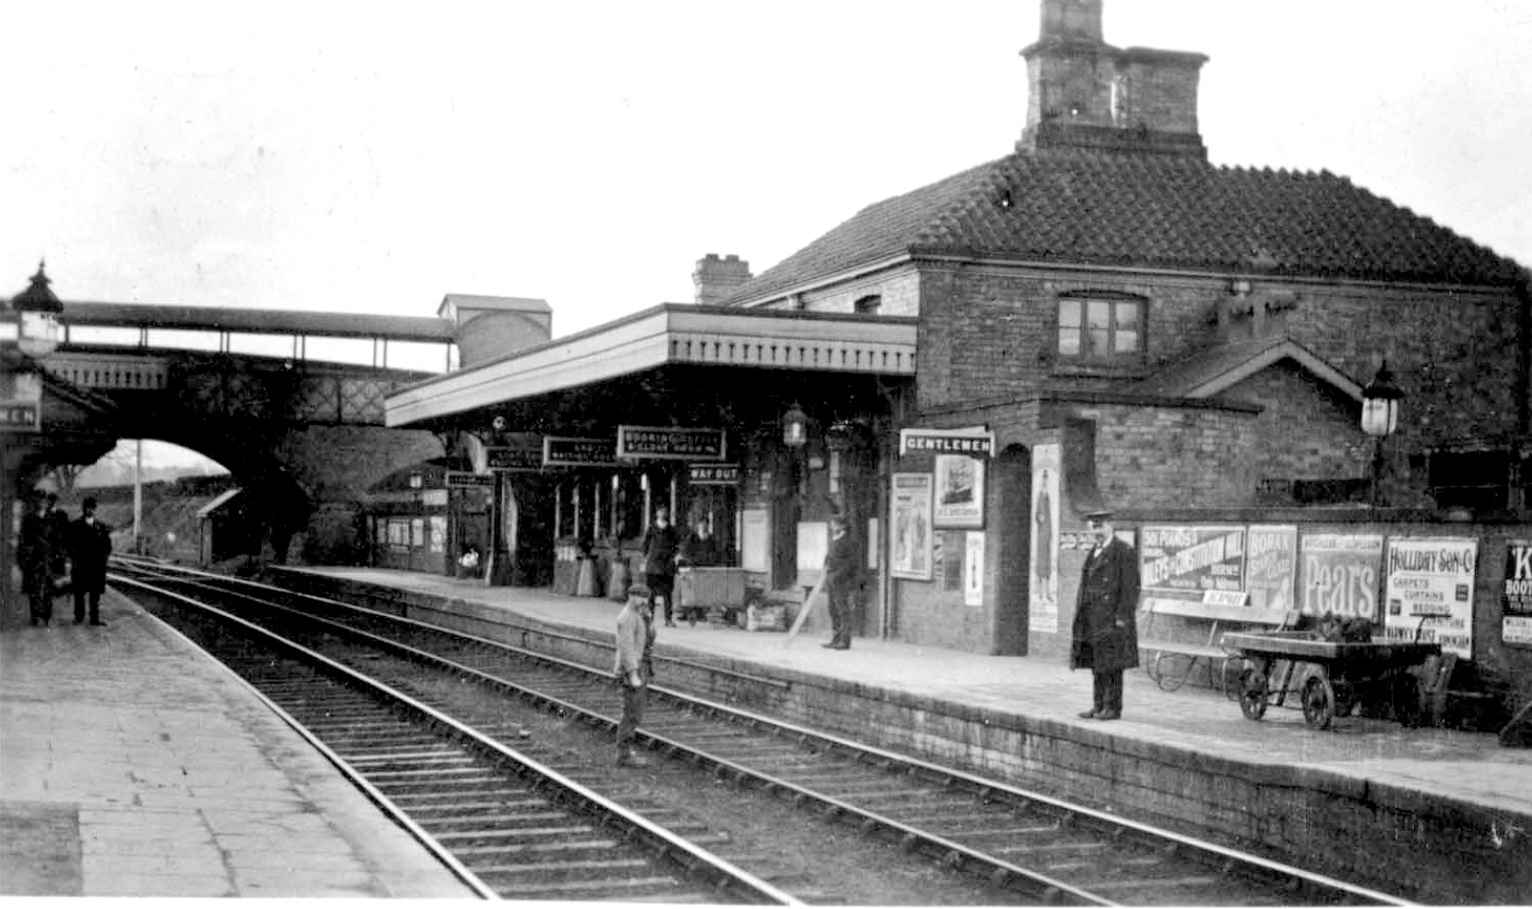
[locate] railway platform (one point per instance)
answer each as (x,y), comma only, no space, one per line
(133,765)
(1443,811)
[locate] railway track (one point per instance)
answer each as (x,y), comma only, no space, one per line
(506,825)
(1028,845)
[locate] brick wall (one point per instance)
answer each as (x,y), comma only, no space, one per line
(335,465)
(990,331)
(1308,429)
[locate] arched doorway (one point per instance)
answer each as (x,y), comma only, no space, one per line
(1013,485)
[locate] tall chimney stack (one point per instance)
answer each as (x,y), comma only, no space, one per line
(716,279)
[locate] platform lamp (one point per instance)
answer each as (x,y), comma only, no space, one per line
(795,427)
(37,309)
(1380,417)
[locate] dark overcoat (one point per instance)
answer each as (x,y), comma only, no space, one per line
(89,545)
(1105,635)
(660,547)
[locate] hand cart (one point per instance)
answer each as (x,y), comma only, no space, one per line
(1343,674)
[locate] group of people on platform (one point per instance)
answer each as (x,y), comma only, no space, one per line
(1104,638)
(664,551)
(60,556)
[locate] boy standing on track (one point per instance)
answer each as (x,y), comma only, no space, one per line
(633,668)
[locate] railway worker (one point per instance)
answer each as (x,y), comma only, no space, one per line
(633,668)
(1105,639)
(841,582)
(34,552)
(660,547)
(90,542)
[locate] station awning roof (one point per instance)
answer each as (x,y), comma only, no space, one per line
(671,333)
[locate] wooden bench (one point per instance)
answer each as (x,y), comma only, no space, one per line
(1165,653)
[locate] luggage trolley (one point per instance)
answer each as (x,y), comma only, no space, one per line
(1344,672)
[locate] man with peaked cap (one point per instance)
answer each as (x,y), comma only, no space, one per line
(1105,635)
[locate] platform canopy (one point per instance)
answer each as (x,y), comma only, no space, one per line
(671,333)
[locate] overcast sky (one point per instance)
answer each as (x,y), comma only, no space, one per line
(374,157)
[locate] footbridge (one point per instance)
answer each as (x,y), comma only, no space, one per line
(291,402)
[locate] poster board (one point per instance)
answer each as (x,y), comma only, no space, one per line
(1271,567)
(910,543)
(1043,584)
(1338,574)
(813,545)
(973,570)
(1187,563)
(959,491)
(1516,601)
(1428,592)
(754,540)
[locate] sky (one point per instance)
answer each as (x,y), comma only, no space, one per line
(374,157)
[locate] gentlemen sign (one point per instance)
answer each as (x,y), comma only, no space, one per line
(976,442)
(670,442)
(566,451)
(713,475)
(19,416)
(21,395)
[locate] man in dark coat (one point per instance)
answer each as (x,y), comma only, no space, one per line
(34,552)
(841,582)
(1105,635)
(90,542)
(660,547)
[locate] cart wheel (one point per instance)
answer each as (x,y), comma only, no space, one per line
(1318,702)
(1168,681)
(1252,693)
(1230,674)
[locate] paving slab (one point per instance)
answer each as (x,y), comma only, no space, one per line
(134,765)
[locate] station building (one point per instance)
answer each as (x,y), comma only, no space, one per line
(1100,318)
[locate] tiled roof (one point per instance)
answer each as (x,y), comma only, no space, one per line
(1149,211)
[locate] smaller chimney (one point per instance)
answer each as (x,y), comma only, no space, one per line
(717,279)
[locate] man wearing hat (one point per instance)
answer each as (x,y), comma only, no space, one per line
(90,542)
(633,667)
(1105,636)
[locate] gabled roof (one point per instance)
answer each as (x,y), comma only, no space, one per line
(1147,211)
(218,502)
(1212,371)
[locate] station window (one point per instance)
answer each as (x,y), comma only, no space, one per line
(868,305)
(1101,328)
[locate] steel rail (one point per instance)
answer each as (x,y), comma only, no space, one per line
(725,875)
(952,854)
(1213,854)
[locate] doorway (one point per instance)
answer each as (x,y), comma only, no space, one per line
(1013,483)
